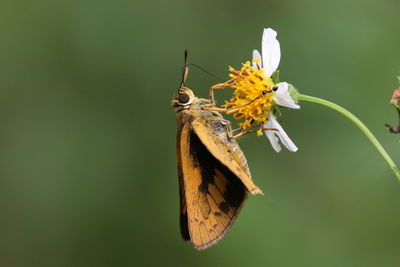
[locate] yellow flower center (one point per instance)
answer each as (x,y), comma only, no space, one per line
(253,94)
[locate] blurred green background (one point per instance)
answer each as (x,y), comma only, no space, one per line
(87,137)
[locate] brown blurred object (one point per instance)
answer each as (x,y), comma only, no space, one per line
(395,96)
(394,101)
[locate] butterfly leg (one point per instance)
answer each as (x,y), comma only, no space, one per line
(215,109)
(234,109)
(216,87)
(243,133)
(229,110)
(231,132)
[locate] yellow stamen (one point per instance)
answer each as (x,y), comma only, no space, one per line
(253,91)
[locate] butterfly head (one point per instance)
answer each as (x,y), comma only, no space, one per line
(183,98)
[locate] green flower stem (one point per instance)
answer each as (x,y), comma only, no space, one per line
(359,124)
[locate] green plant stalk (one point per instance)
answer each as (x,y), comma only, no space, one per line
(359,124)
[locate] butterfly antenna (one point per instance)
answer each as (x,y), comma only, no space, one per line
(185,70)
(204,70)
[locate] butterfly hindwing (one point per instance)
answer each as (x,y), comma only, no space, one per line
(226,150)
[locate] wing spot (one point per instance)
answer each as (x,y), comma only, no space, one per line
(223,206)
(217,213)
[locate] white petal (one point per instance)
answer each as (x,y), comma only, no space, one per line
(274,140)
(271,51)
(257,54)
(273,135)
(282,96)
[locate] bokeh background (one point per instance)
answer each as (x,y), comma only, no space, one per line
(87,134)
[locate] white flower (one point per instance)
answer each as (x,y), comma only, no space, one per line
(269,61)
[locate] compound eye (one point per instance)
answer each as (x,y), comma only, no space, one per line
(184,98)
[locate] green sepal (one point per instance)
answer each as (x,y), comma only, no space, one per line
(275,77)
(294,94)
(277,111)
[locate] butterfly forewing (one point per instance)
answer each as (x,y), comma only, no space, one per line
(183,209)
(213,195)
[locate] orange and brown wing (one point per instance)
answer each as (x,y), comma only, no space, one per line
(211,192)
(183,220)
(214,135)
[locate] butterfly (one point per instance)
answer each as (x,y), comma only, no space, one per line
(214,177)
